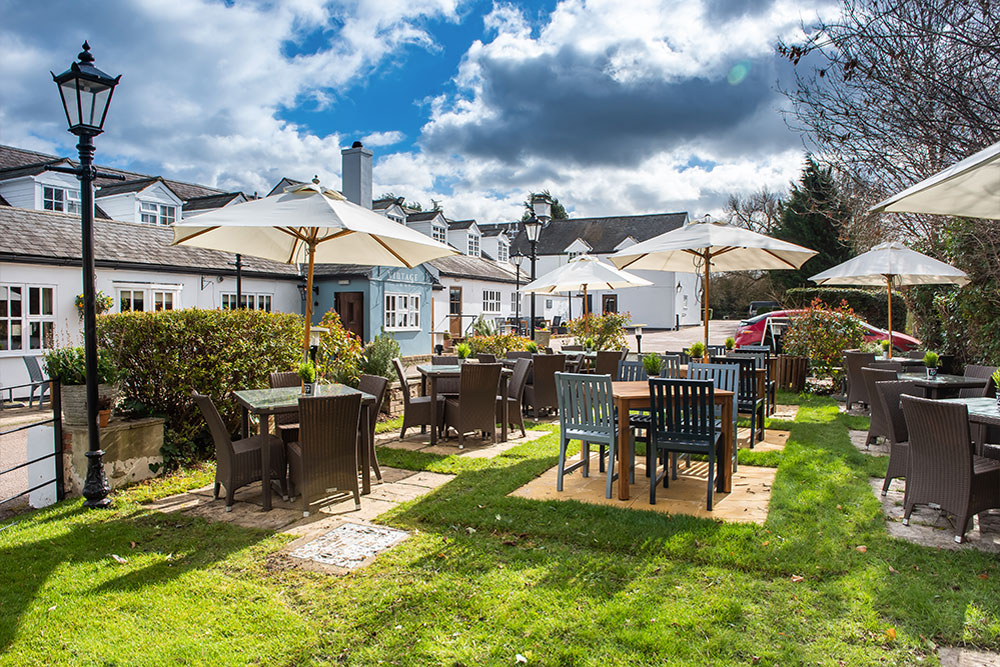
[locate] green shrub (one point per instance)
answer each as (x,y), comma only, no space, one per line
(340,354)
(68,366)
(870,305)
(498,344)
(378,356)
(531,346)
(483,327)
(164,356)
(696,351)
(607,330)
(463,350)
(730,343)
(822,334)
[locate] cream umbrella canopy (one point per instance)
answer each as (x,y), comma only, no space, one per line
(970,188)
(308,224)
(705,246)
(583,273)
(891,264)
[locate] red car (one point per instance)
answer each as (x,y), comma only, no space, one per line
(751,332)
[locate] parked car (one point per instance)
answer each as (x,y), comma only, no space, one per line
(761,307)
(751,332)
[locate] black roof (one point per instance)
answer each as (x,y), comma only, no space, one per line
(210,201)
(467,266)
(421,216)
(603,234)
(386,202)
(460,224)
(29,169)
(137,185)
(46,237)
(282,184)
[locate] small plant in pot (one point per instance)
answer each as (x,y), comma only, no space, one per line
(104,410)
(931,362)
(532,347)
(697,351)
(652,364)
(730,343)
(307,372)
(996,384)
(464,351)
(885,347)
(589,344)
(68,367)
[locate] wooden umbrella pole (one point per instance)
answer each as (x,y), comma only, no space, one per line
(888,283)
(704,295)
(309,297)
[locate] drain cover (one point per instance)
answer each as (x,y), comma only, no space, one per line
(349,545)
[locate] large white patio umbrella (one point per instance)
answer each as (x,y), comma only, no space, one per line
(970,188)
(583,273)
(308,224)
(891,264)
(705,246)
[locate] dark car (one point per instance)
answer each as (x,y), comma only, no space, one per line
(761,307)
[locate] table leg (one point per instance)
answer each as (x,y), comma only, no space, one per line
(244,423)
(265,463)
(434,402)
(624,449)
(724,476)
(504,410)
(366,449)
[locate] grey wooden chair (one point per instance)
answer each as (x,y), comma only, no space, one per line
(725,377)
(682,355)
(854,361)
(515,396)
(239,463)
(417,410)
(38,380)
(943,470)
(879,425)
(377,386)
(475,408)
(671,366)
(748,399)
(323,463)
(587,414)
(889,395)
(630,371)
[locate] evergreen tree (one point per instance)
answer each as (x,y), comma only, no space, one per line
(558,210)
(814,216)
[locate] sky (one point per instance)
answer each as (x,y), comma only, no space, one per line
(615,107)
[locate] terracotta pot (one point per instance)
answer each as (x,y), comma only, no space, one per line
(104,416)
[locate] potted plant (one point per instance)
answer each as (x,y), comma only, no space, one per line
(307,372)
(931,362)
(103,410)
(543,336)
(531,346)
(464,351)
(697,351)
(68,367)
(885,347)
(996,384)
(652,364)
(588,344)
(730,343)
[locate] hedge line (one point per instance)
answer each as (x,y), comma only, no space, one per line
(163,356)
(871,305)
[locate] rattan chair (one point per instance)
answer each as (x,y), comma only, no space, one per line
(324,462)
(446,386)
(239,463)
(286,422)
(377,386)
(943,470)
(572,348)
(587,414)
(475,409)
(540,393)
(683,422)
(854,361)
(37,379)
(975,371)
(486,358)
(884,365)
(515,396)
(607,362)
(518,354)
(417,410)
(889,395)
(879,424)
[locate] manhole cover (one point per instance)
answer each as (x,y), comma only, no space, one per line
(349,545)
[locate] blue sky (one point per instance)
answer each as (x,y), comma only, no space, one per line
(615,107)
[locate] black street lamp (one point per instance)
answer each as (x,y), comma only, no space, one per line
(86,93)
(541,209)
(518,260)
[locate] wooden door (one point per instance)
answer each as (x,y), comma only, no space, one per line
(350,307)
(609,303)
(455,311)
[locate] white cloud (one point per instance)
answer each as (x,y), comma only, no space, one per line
(383,138)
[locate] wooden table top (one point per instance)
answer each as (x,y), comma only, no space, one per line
(640,389)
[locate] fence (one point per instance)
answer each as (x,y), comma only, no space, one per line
(36,437)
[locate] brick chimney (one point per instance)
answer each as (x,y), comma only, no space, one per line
(356,174)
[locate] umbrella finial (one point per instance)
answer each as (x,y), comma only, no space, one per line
(316,179)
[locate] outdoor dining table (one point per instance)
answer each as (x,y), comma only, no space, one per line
(940,383)
(983,412)
(267,402)
(635,396)
(429,374)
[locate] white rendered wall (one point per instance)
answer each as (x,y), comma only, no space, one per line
(472,301)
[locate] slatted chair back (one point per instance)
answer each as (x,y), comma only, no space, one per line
(976,371)
(439,360)
(759,358)
(723,376)
(854,361)
(671,366)
(683,412)
(34,370)
(890,393)
(755,348)
(518,354)
(684,356)
(404,386)
(574,362)
(715,349)
(544,368)
(747,375)
(328,440)
(607,362)
(515,388)
(486,358)
(586,405)
(630,371)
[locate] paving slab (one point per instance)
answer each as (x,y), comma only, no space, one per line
(966,657)
(786,413)
(774,441)
(878,448)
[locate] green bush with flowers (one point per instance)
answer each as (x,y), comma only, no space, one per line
(498,344)
(822,334)
(607,330)
(340,357)
(103,302)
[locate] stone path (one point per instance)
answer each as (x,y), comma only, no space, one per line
(475,448)
(878,448)
(967,657)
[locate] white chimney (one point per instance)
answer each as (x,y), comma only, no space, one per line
(356,174)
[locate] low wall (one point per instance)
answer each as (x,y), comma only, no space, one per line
(130,448)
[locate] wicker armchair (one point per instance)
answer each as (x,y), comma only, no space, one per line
(943,470)
(854,361)
(879,425)
(417,410)
(540,394)
(515,396)
(324,461)
(607,361)
(518,354)
(239,463)
(287,422)
(486,358)
(377,386)
(974,371)
(889,396)
(475,409)
(446,386)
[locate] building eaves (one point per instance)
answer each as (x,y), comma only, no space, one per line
(476,268)
(210,201)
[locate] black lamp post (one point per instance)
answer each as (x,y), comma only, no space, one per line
(541,209)
(86,93)
(518,260)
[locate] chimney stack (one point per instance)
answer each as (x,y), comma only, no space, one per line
(356,174)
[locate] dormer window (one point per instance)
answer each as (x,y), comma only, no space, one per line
(439,233)
(573,254)
(503,251)
(157,214)
(60,199)
(395,218)
(473,245)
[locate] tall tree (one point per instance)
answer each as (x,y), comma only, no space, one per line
(813,216)
(558,211)
(758,211)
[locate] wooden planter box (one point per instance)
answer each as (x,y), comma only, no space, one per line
(790,372)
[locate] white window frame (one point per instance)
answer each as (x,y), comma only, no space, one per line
(67,202)
(251,301)
(150,292)
(27,319)
(514,297)
(439,233)
(473,245)
(153,213)
(491,301)
(503,251)
(576,253)
(402,312)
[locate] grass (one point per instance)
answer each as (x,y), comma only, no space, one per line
(486,577)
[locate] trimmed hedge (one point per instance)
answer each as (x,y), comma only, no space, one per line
(870,305)
(164,356)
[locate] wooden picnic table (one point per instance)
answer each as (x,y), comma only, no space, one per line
(630,396)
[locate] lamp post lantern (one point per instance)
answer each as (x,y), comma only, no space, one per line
(518,260)
(541,212)
(86,93)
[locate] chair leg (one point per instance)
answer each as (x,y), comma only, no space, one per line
(673,465)
(651,456)
(600,456)
(230,492)
(760,423)
(885,485)
(906,513)
(215,492)
(611,469)
(563,442)
(585,457)
(711,476)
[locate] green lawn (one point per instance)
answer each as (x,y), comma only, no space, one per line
(487,577)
